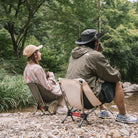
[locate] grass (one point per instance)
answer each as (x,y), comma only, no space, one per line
(14,93)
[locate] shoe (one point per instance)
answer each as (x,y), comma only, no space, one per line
(104,114)
(60,110)
(126,119)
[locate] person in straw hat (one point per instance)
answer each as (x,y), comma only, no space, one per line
(88,63)
(33,72)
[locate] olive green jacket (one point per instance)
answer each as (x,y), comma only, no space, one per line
(91,66)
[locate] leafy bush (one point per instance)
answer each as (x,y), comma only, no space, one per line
(51,59)
(14,93)
(13,65)
(122,51)
(6,48)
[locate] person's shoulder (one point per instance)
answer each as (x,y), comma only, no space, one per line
(36,65)
(33,67)
(96,54)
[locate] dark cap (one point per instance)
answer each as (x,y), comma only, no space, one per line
(87,36)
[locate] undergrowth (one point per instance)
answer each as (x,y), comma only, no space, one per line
(14,93)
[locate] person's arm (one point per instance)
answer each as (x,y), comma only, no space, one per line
(105,71)
(41,76)
(48,83)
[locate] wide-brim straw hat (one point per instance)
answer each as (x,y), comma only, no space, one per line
(87,36)
(30,49)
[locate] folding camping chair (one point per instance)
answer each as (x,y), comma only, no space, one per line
(42,97)
(79,96)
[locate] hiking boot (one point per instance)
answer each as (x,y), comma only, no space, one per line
(126,119)
(104,114)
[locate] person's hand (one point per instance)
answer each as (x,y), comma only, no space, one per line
(48,74)
(116,68)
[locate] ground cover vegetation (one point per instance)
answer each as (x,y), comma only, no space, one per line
(57,24)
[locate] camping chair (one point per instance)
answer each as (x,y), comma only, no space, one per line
(42,97)
(79,96)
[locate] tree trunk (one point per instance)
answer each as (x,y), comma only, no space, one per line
(78,31)
(15,46)
(99,18)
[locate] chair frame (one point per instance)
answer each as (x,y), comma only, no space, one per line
(71,112)
(42,97)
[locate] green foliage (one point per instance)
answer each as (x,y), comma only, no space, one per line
(14,93)
(51,59)
(32,40)
(121,45)
(17,18)
(118,12)
(13,65)
(6,49)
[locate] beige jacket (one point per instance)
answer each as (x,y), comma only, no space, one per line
(91,66)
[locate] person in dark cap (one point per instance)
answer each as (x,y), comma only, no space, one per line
(88,63)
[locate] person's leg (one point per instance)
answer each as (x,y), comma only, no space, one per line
(119,98)
(60,108)
(115,92)
(61,102)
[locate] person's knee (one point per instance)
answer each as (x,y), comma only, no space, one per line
(119,85)
(107,93)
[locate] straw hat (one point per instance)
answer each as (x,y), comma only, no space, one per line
(30,49)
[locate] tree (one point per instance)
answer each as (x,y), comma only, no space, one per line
(120,27)
(65,20)
(17,17)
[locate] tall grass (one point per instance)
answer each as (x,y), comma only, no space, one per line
(14,93)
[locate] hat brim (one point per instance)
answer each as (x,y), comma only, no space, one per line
(39,47)
(80,42)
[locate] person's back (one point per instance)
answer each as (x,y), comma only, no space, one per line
(30,72)
(80,67)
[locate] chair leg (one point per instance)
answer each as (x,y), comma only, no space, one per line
(64,119)
(84,117)
(43,112)
(72,118)
(110,111)
(88,122)
(95,114)
(69,113)
(38,108)
(43,109)
(35,111)
(46,108)
(81,122)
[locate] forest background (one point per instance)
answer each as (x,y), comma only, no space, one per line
(57,24)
